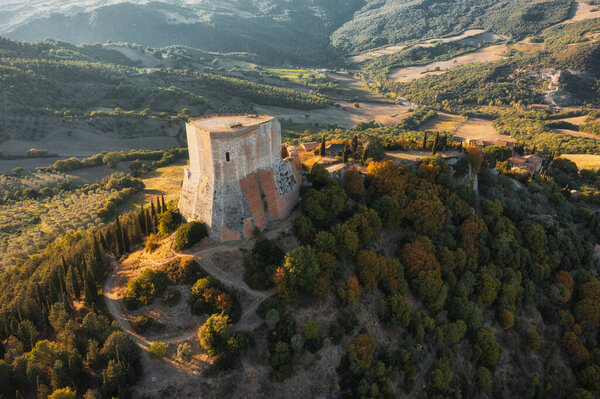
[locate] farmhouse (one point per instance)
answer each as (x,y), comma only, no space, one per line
(530,163)
(236,180)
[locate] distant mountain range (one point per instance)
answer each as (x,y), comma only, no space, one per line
(295,31)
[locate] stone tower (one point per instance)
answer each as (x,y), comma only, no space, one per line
(236,179)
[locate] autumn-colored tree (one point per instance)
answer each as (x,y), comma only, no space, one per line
(475,157)
(427,212)
(470,233)
(321,287)
(485,348)
(349,290)
(360,353)
(418,256)
(347,241)
(533,340)
(328,263)
(571,344)
(354,183)
(506,319)
(387,176)
(368,267)
(587,309)
(488,289)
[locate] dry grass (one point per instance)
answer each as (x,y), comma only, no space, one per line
(407,74)
(443,123)
(584,161)
(479,129)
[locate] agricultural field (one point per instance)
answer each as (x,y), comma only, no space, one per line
(584,161)
(479,129)
(444,123)
(486,54)
(28,226)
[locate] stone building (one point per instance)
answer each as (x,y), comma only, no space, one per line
(236,180)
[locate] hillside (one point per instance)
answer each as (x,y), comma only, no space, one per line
(307,33)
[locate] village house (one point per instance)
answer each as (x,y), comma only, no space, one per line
(530,163)
(334,150)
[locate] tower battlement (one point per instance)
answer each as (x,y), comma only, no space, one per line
(236,180)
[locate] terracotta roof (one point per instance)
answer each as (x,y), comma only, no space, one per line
(310,146)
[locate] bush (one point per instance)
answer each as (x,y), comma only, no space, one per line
(183,270)
(189,234)
(272,302)
(144,289)
(184,353)
(141,323)
(152,242)
(171,297)
(158,350)
(168,222)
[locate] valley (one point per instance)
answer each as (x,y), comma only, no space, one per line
(427,227)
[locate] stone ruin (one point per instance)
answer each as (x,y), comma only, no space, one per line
(236,180)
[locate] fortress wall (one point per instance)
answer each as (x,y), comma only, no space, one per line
(195,202)
(237,180)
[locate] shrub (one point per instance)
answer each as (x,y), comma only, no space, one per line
(171,297)
(144,289)
(272,302)
(141,323)
(184,353)
(183,270)
(152,242)
(168,222)
(63,393)
(189,234)
(158,350)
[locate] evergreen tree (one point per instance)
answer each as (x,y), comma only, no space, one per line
(119,235)
(322,147)
(436,143)
(425,141)
(158,206)
(444,142)
(103,242)
(354,145)
(142,221)
(164,207)
(345,154)
(126,243)
(75,289)
(90,292)
(153,217)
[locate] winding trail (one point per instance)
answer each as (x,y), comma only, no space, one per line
(422,374)
(250,301)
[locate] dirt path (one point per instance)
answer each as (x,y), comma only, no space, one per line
(422,374)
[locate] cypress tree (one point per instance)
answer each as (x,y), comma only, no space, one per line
(142,221)
(90,292)
(322,147)
(119,234)
(97,253)
(444,141)
(153,216)
(158,206)
(436,142)
(354,145)
(149,224)
(126,244)
(164,207)
(103,242)
(345,153)
(425,141)
(74,283)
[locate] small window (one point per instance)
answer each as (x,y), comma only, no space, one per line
(227,157)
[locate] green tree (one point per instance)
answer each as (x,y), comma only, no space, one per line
(302,267)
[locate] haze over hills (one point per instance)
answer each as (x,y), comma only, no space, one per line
(445,242)
(292,31)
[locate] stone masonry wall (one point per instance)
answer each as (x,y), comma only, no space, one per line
(237,181)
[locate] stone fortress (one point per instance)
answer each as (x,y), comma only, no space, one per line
(236,180)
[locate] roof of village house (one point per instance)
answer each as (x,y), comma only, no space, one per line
(335,147)
(309,145)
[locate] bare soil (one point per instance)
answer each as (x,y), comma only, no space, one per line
(486,54)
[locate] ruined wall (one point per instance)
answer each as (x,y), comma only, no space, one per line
(237,181)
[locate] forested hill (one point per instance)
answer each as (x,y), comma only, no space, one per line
(56,76)
(299,32)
